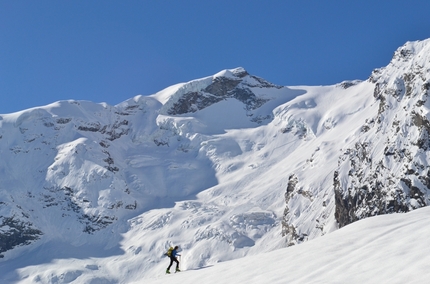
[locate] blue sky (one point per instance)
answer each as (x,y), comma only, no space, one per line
(110,51)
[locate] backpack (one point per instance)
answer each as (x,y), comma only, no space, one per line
(169,251)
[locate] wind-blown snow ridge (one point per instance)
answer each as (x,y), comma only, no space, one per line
(225,166)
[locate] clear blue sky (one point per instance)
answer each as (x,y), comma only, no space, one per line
(110,51)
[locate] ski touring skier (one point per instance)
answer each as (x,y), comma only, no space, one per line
(172,253)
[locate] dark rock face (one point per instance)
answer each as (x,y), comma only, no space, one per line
(112,132)
(16,232)
(288,230)
(220,89)
(348,84)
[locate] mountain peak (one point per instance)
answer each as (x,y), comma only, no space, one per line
(410,57)
(198,94)
(238,72)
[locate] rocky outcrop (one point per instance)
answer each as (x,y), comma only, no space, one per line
(236,84)
(387,169)
(289,230)
(16,231)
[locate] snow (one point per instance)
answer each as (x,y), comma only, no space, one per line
(164,95)
(383,249)
(212,181)
(380,249)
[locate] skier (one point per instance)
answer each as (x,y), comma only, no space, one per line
(173,258)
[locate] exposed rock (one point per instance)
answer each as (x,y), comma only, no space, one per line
(288,230)
(370,181)
(16,232)
(238,86)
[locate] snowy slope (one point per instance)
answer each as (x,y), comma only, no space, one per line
(380,249)
(225,166)
(376,250)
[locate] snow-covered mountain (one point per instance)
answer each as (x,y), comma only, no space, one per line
(224,166)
